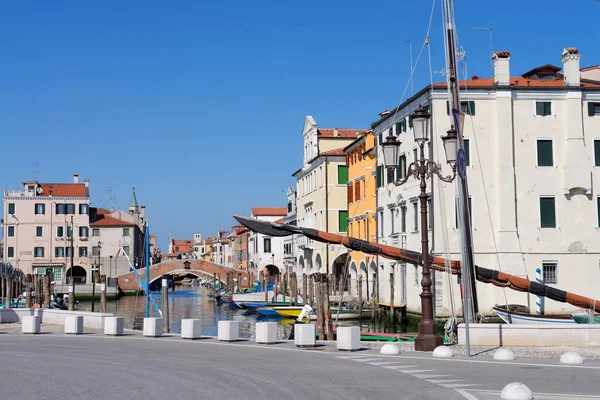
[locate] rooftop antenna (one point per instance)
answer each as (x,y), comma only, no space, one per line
(489,29)
(110,194)
(412,86)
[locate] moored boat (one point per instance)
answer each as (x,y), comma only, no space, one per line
(513,317)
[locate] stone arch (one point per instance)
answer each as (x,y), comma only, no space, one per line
(341,273)
(318,263)
(78,273)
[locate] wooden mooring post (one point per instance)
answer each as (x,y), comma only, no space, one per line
(360,299)
(47,290)
(265,288)
(214,280)
(28,291)
(304,289)
(9,293)
(103,293)
(392,309)
(327,310)
(311,292)
(165,302)
(285,285)
(319,302)
(71,299)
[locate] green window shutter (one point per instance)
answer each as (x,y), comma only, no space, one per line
(544,153)
(379,175)
(398,128)
(547,108)
(471,108)
(342,174)
(547,212)
(467,148)
(410,122)
(597,153)
(591,109)
(448,107)
(539,108)
(343,221)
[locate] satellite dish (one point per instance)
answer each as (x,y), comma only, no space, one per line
(39,189)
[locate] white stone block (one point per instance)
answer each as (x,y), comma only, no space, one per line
(228,331)
(572,358)
(153,327)
(348,338)
(304,335)
(443,352)
(74,324)
(114,326)
(266,332)
(38,312)
(191,328)
(504,354)
(30,324)
(516,391)
(390,349)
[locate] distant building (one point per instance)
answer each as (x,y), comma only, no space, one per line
(265,253)
(290,243)
(116,230)
(46,227)
(322,184)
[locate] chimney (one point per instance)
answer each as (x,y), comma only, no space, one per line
(570,59)
(87,183)
(335,131)
(143,210)
(75,178)
(501,68)
(384,113)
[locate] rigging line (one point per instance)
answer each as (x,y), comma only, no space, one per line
(485,194)
(414,67)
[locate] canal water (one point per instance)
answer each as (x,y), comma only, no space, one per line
(194,302)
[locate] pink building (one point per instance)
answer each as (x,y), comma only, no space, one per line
(46,226)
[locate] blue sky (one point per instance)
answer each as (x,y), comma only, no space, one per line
(200,104)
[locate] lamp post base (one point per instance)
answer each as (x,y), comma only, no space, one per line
(428,338)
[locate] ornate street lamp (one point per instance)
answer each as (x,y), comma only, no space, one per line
(423,169)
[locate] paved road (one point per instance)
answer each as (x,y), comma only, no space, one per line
(55,366)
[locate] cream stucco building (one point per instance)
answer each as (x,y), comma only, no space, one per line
(533,153)
(322,185)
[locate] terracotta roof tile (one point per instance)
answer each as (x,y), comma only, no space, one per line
(503,54)
(349,133)
(63,190)
(269,211)
(515,81)
(334,152)
(102,211)
(183,242)
(109,221)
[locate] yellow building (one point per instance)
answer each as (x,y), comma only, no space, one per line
(361,159)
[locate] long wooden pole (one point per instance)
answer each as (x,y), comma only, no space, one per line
(103,293)
(46,291)
(319,301)
(360,299)
(28,291)
(305,299)
(327,310)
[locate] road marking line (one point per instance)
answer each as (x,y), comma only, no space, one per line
(438,381)
(366,359)
(416,371)
(400,366)
(429,376)
(382,363)
(457,385)
(467,395)
(543,396)
(501,363)
(351,357)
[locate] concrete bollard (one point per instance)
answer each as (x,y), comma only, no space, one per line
(348,338)
(228,331)
(266,332)
(305,335)
(390,349)
(153,327)
(74,324)
(191,328)
(571,358)
(114,326)
(516,391)
(504,354)
(30,324)
(443,352)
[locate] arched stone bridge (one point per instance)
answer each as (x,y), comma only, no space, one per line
(203,269)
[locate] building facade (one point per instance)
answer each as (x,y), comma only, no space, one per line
(361,161)
(46,227)
(265,253)
(532,152)
(322,185)
(290,243)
